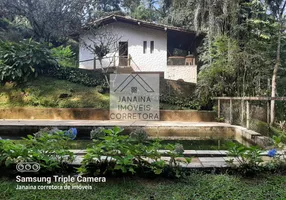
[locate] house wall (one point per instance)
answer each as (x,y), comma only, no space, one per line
(186,72)
(134,35)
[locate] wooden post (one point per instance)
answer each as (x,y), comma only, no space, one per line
(230,111)
(247,114)
(268,112)
(242,112)
(218,109)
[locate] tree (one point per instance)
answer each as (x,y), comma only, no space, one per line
(51,20)
(100,42)
(277,7)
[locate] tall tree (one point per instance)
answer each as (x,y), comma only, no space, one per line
(51,20)
(277,8)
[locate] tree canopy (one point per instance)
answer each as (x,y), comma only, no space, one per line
(242,55)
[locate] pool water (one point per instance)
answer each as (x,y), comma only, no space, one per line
(209,144)
(206,144)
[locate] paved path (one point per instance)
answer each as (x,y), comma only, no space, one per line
(108,123)
(198,162)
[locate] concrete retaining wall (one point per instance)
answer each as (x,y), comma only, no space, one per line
(99,114)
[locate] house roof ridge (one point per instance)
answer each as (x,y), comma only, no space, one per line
(144,22)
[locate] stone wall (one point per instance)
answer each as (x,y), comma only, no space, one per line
(98,114)
(188,73)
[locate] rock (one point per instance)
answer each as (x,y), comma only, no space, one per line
(64,95)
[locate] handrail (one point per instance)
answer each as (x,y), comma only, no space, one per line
(113,60)
(133,62)
(252,98)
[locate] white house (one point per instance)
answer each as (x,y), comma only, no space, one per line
(142,46)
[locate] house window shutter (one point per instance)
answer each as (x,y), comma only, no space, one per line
(151,46)
(144,46)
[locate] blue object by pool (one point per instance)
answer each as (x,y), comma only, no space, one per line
(71,133)
(272,152)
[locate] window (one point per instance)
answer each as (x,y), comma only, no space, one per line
(144,46)
(151,46)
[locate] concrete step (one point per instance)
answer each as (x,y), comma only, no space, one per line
(124,70)
(196,162)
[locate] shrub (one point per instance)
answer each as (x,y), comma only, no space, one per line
(49,149)
(139,135)
(182,102)
(278,161)
(21,61)
(248,158)
(75,75)
(117,154)
(64,56)
(179,149)
(97,133)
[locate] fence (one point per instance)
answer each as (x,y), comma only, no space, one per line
(112,62)
(242,110)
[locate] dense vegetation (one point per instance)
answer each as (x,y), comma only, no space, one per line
(242,54)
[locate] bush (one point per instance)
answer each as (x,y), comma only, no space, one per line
(64,56)
(139,135)
(21,61)
(48,148)
(182,102)
(117,154)
(248,158)
(97,133)
(75,75)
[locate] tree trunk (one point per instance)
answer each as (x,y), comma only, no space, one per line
(273,90)
(277,63)
(104,72)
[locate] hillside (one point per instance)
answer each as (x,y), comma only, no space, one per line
(51,92)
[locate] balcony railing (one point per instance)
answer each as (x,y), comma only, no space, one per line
(181,60)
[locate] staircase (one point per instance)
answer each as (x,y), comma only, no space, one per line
(124,70)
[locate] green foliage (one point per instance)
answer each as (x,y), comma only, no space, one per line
(197,185)
(181,102)
(75,75)
(21,61)
(139,135)
(249,161)
(64,56)
(37,93)
(144,13)
(97,133)
(49,149)
(179,149)
(117,154)
(218,78)
(278,161)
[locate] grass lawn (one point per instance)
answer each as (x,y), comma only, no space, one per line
(196,186)
(45,92)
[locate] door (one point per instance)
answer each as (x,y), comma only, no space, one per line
(123,53)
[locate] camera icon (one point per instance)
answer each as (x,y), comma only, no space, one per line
(28,167)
